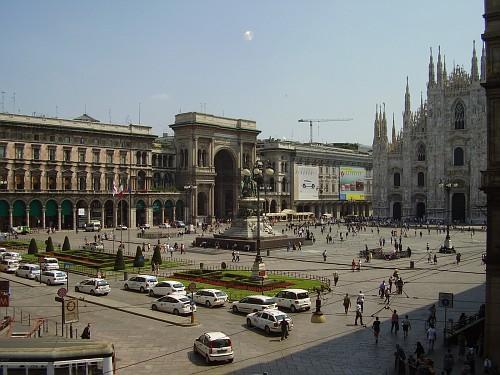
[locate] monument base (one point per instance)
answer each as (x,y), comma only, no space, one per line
(258,270)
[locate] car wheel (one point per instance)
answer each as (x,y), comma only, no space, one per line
(230,360)
(154,307)
(141,289)
(207,359)
(267,330)
(49,282)
(207,304)
(126,286)
(77,289)
(151,293)
(235,309)
(249,323)
(176,312)
(92,292)
(293,309)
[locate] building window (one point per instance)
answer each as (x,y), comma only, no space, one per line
(36,137)
(67,183)
(421,152)
(397,179)
(95,156)
(109,182)
(420,179)
(109,157)
(19,151)
(36,153)
(81,156)
(67,154)
(52,138)
(52,154)
(19,181)
(96,182)
(458,156)
(459,116)
(3,181)
(82,183)
(35,182)
(3,151)
(51,182)
(123,158)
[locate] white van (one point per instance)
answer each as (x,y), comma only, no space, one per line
(11,255)
(49,264)
(9,265)
(92,227)
(293,299)
(29,271)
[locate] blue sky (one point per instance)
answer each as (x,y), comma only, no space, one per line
(305,59)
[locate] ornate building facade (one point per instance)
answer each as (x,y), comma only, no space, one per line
(442,142)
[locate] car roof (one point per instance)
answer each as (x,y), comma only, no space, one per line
(210,290)
(49,258)
(259,296)
(94,279)
(274,312)
(216,335)
(29,264)
(143,276)
(170,281)
(295,290)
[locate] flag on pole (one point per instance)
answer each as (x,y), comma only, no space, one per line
(118,192)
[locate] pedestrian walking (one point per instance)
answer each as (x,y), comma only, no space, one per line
(381,289)
(376,329)
(487,366)
(391,281)
(429,257)
(448,362)
(359,315)
(360,300)
(458,256)
(419,351)
(431,337)
(234,256)
(237,255)
(86,332)
(335,278)
(324,255)
(395,322)
(435,259)
(406,326)
(353,264)
(284,329)
(387,295)
(347,303)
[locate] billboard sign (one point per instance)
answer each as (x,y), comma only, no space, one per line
(306,179)
(352,183)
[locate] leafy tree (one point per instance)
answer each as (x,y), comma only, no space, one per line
(139,258)
(49,245)
(156,255)
(119,262)
(33,248)
(66,244)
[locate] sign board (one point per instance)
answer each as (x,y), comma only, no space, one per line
(4,300)
(306,179)
(352,183)
(81,212)
(61,292)
(4,286)
(191,287)
(70,310)
(446,300)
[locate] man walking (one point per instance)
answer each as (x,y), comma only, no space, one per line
(395,322)
(347,303)
(359,315)
(360,300)
(284,329)
(406,326)
(86,332)
(431,337)
(376,329)
(324,255)
(335,278)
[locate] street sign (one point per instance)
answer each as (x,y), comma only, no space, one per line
(71,310)
(192,287)
(61,292)
(67,264)
(4,300)
(446,300)
(4,286)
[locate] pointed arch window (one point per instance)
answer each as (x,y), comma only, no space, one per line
(420,179)
(397,179)
(421,152)
(459,116)
(458,156)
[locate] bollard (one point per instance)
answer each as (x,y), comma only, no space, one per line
(56,329)
(39,331)
(21,316)
(71,330)
(29,319)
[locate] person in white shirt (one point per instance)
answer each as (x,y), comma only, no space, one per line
(360,300)
(431,337)
(359,315)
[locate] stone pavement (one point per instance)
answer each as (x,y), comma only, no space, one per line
(145,346)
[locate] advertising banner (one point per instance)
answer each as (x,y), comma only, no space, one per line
(306,179)
(352,183)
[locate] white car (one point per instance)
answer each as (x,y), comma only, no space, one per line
(49,264)
(93,286)
(210,297)
(52,277)
(293,299)
(166,287)
(174,303)
(94,246)
(145,226)
(142,283)
(29,271)
(268,320)
(11,255)
(253,304)
(121,227)
(9,265)
(2,250)
(214,346)
(164,225)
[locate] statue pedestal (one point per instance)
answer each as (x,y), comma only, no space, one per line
(258,270)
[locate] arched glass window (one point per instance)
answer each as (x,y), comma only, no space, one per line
(397,179)
(420,179)
(458,156)
(459,116)
(421,152)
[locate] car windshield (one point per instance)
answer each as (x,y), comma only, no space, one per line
(279,318)
(51,261)
(35,268)
(102,283)
(185,300)
(178,285)
(220,343)
(60,274)
(220,294)
(268,301)
(302,295)
(151,279)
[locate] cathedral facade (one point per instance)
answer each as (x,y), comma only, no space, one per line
(430,169)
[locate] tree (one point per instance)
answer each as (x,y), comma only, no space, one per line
(33,248)
(119,262)
(156,255)
(66,244)
(49,245)
(139,258)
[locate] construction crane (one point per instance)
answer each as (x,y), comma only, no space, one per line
(310,121)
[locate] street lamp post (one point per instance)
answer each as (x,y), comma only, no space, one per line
(447,185)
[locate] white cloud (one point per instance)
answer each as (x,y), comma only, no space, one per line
(248,35)
(162,96)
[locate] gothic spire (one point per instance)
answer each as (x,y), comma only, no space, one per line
(407,97)
(421,102)
(376,125)
(439,68)
(445,75)
(431,71)
(483,64)
(393,131)
(474,73)
(384,125)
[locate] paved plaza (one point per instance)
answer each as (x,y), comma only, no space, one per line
(147,346)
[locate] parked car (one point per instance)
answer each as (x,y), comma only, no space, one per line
(49,264)
(254,303)
(52,277)
(214,346)
(176,304)
(9,265)
(2,250)
(166,287)
(142,283)
(92,227)
(210,297)
(93,286)
(94,246)
(268,320)
(121,227)
(27,270)
(22,229)
(179,224)
(11,255)
(308,184)
(164,225)
(145,226)
(293,299)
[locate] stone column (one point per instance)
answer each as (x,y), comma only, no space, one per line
(173,214)
(103,216)
(28,217)
(195,152)
(59,217)
(11,218)
(75,218)
(162,215)
(132,218)
(43,217)
(115,214)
